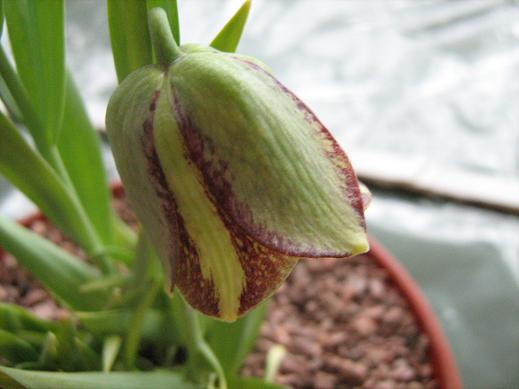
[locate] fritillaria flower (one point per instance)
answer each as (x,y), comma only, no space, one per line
(232,176)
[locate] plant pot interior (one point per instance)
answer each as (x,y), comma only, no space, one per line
(343,322)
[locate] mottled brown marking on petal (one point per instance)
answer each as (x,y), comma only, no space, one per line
(168,204)
(217,176)
(335,152)
(265,269)
(197,290)
(184,262)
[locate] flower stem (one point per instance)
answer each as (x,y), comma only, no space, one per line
(134,333)
(162,40)
(141,261)
(188,324)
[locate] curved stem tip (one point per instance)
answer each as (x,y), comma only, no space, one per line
(162,40)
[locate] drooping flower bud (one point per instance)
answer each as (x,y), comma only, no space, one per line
(233,178)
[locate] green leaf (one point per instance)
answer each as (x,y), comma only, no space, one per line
(119,380)
(35,338)
(60,272)
(9,102)
(275,356)
(1,17)
(88,358)
(134,334)
(7,382)
(124,238)
(170,6)
(19,94)
(231,342)
(80,150)
(253,383)
(108,282)
(111,347)
(5,94)
(34,177)
(15,318)
(49,353)
(230,35)
(72,353)
(23,102)
(15,349)
(131,45)
(117,322)
(36,32)
(186,322)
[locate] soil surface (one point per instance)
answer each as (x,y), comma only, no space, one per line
(344,325)
(18,286)
(342,322)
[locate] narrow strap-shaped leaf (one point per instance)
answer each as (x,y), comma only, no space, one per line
(15,349)
(49,353)
(170,6)
(123,237)
(111,281)
(93,380)
(231,342)
(8,382)
(9,102)
(87,358)
(15,318)
(5,95)
(187,324)
(19,93)
(30,118)
(66,352)
(35,338)
(134,333)
(36,32)
(131,45)
(72,353)
(1,17)
(274,358)
(80,150)
(117,322)
(229,36)
(111,347)
(60,272)
(33,176)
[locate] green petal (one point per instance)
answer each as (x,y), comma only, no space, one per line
(127,119)
(267,161)
(233,178)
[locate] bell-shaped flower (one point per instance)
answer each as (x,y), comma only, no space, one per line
(232,176)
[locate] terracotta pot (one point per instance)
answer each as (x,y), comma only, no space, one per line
(441,356)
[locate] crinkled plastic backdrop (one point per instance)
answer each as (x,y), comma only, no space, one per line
(433,83)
